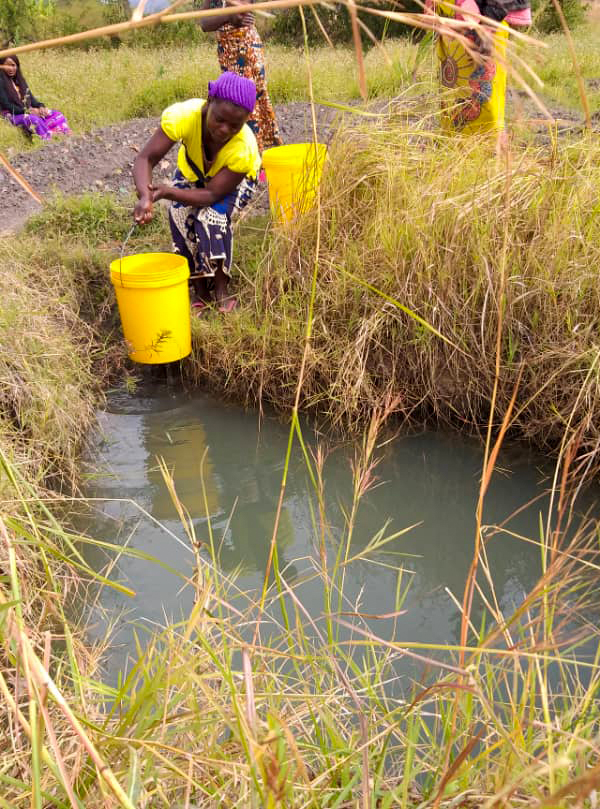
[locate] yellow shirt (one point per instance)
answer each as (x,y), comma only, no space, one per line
(183,122)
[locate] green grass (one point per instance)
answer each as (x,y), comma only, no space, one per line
(102,87)
(555,68)
(106,86)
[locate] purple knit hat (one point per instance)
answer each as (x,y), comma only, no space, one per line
(234,88)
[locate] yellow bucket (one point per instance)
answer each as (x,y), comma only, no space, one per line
(293,173)
(154,304)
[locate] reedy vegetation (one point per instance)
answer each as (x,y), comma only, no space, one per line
(308,719)
(417,219)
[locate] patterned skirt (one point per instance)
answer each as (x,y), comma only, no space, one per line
(475,94)
(240,50)
(203,235)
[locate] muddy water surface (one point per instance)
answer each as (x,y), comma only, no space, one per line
(429,481)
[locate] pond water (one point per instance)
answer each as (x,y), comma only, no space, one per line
(429,481)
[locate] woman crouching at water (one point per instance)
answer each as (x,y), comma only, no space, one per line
(217,171)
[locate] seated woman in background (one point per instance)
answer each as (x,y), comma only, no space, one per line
(21,108)
(217,168)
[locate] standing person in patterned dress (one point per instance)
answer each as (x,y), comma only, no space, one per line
(476,98)
(240,50)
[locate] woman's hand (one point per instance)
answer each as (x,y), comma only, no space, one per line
(43,112)
(142,213)
(242,20)
(156,148)
(161,191)
(482,39)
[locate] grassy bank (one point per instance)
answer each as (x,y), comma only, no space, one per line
(412,227)
(102,87)
(421,251)
(57,331)
(46,377)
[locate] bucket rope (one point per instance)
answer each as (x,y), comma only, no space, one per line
(131,229)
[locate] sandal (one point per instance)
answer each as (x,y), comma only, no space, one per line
(228,305)
(199,308)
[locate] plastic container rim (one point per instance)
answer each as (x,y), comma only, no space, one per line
(273,156)
(130,278)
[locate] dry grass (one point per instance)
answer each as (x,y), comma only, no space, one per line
(47,388)
(418,221)
(306,717)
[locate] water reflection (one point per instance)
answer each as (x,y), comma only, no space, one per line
(233,481)
(430,480)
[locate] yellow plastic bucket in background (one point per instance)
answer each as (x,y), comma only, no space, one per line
(154,304)
(293,174)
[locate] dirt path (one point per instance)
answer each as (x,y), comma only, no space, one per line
(101,160)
